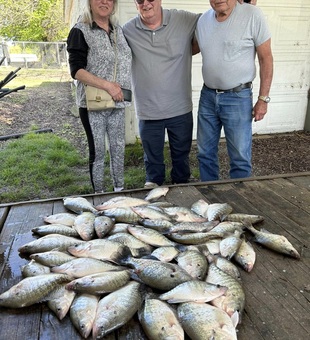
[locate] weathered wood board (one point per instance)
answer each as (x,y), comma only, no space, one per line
(277,290)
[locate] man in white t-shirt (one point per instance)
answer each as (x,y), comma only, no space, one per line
(229,36)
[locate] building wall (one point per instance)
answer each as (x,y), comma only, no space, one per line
(289,22)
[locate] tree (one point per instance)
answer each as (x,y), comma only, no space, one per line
(32,20)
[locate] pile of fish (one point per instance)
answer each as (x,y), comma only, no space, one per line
(176,267)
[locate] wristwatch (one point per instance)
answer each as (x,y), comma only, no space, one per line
(264,99)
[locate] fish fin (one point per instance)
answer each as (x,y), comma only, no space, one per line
(235,318)
(141,252)
(266,231)
(181,232)
(150,257)
(122,256)
(181,247)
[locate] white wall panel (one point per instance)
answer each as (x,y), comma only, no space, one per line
(289,23)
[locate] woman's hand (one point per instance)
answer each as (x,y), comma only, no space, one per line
(114,89)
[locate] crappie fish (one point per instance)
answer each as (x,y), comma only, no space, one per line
(234,299)
(101,249)
(165,254)
(159,275)
(230,245)
(55,229)
(100,283)
(34,268)
(31,290)
(51,258)
(218,211)
(194,263)
(49,242)
(182,214)
(123,215)
(83,313)
(162,204)
(150,236)
(159,225)
(228,227)
(225,265)
(103,225)
(241,217)
(119,228)
(245,256)
(79,205)
(203,321)
(156,193)
(61,305)
(200,207)
(195,291)
(115,309)
(213,245)
(274,242)
(84,224)
(84,266)
(121,202)
(151,213)
(137,247)
(194,238)
(61,218)
(159,321)
(193,227)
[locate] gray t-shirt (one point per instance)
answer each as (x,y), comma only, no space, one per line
(161,64)
(228,47)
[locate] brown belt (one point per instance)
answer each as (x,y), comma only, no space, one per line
(235,89)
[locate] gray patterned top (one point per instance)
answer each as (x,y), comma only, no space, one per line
(101,59)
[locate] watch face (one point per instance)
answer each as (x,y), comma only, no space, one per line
(265,99)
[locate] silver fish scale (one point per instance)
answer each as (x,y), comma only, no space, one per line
(235,295)
(79,205)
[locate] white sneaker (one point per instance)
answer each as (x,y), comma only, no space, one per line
(150,185)
(118,189)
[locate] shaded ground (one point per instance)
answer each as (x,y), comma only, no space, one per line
(50,106)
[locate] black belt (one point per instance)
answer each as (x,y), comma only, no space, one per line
(235,89)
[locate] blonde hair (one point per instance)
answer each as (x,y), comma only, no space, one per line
(87,16)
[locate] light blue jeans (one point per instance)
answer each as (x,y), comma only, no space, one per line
(233,111)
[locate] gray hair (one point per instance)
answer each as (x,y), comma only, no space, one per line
(87,16)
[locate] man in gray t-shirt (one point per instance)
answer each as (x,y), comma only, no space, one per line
(229,36)
(161,43)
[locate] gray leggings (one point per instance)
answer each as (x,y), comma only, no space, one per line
(98,125)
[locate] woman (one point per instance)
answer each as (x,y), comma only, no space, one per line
(91,49)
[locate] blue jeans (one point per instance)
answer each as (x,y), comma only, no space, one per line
(233,111)
(152,134)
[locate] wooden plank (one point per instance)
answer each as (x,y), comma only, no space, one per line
(183,196)
(291,192)
(3,214)
(303,181)
(282,212)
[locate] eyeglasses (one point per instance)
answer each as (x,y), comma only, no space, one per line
(140,2)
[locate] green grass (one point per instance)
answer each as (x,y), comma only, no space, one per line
(40,166)
(34,77)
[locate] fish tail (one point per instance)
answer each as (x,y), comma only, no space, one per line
(124,256)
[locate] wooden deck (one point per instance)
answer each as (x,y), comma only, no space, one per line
(277,290)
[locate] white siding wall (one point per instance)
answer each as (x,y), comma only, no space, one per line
(289,22)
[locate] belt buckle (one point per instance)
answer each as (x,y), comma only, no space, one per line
(219,91)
